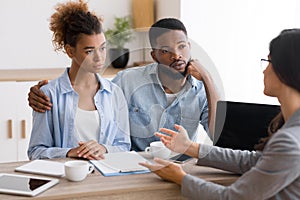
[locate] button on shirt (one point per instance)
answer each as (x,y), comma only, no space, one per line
(149,109)
(52,133)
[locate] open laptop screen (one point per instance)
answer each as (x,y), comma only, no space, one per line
(240,125)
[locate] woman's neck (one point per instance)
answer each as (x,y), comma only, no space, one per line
(290,102)
(86,85)
(82,78)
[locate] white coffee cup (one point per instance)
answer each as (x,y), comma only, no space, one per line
(77,170)
(158,149)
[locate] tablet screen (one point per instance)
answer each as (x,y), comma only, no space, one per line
(24,185)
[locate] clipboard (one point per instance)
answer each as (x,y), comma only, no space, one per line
(121,163)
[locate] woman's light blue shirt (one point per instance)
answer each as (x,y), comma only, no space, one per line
(52,133)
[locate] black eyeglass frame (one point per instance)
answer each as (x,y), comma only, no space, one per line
(267,60)
(263,64)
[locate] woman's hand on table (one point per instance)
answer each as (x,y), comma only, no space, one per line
(90,150)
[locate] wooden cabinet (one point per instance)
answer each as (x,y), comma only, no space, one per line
(15,121)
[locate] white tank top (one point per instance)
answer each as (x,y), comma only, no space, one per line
(171,98)
(87,125)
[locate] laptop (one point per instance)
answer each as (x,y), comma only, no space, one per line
(240,125)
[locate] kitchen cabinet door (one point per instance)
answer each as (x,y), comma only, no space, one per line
(15,121)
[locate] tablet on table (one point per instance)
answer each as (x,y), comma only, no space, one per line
(24,185)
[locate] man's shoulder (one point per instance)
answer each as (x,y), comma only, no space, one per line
(109,85)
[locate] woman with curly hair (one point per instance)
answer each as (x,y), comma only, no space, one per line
(271,172)
(89,115)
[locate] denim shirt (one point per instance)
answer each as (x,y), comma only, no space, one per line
(53,133)
(149,109)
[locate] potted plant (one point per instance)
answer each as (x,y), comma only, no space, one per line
(117,37)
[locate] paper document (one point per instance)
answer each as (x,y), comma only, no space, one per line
(121,163)
(44,167)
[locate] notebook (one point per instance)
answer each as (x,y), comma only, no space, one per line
(121,163)
(43,167)
(240,125)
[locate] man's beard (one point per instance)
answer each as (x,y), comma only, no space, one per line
(171,72)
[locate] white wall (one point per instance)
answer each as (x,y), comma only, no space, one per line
(232,34)
(25,37)
(167,8)
(236,34)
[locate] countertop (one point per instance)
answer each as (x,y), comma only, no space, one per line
(45,74)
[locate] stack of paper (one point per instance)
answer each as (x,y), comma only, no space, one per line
(44,167)
(121,163)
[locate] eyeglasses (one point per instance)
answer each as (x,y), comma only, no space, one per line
(264,63)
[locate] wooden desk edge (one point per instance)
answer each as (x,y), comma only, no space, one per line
(144,186)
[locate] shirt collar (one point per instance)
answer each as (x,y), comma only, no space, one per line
(105,84)
(192,80)
(66,85)
(65,82)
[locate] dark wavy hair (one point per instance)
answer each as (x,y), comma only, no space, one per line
(70,20)
(285,57)
(162,26)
